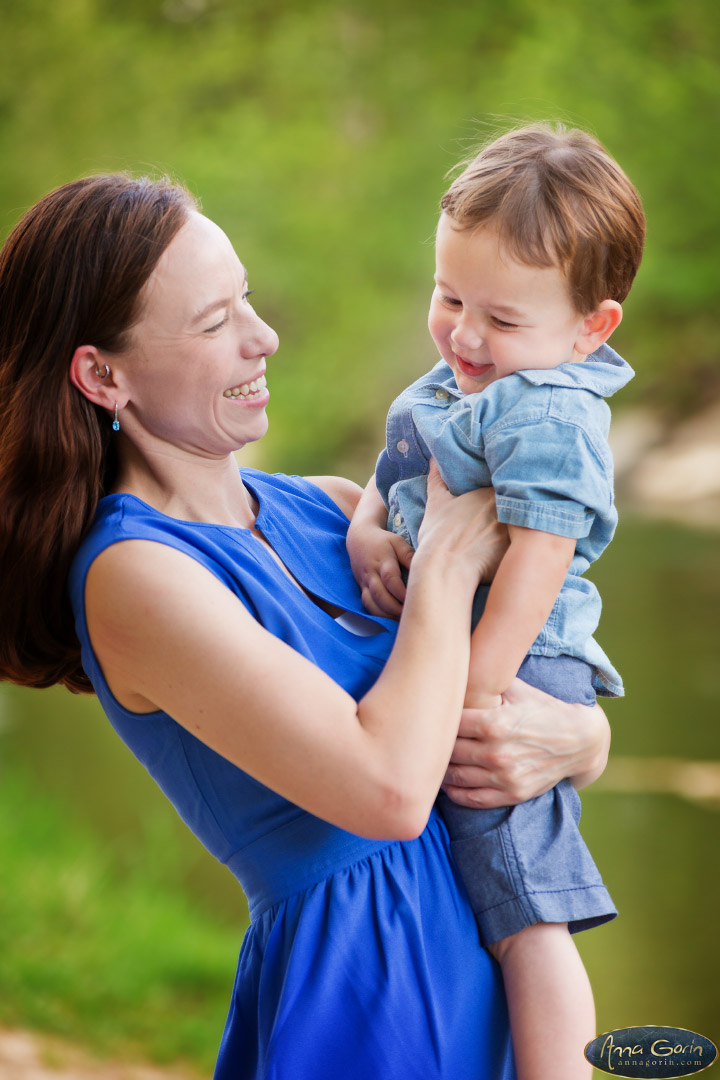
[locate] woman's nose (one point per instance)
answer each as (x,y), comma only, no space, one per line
(263,340)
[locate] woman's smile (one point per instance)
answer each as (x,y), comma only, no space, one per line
(255,391)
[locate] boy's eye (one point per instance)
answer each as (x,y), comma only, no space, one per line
(451,301)
(248,292)
(502,325)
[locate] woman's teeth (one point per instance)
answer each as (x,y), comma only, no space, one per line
(247,389)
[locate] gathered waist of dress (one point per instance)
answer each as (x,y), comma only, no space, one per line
(295,856)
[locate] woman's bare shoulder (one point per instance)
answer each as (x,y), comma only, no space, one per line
(346,493)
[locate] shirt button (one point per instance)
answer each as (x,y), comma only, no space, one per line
(403,446)
(397,521)
(441,394)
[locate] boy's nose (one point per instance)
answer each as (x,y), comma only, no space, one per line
(466,338)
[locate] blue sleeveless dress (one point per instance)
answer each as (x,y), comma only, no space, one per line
(361,961)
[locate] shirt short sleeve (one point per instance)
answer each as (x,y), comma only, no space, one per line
(550,474)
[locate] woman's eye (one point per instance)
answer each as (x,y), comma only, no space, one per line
(226,318)
(217,326)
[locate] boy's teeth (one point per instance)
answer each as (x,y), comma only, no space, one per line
(247,389)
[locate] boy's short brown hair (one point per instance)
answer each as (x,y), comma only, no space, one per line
(557,199)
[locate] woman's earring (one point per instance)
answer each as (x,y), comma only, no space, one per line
(116,422)
(105,373)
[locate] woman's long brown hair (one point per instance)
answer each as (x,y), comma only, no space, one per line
(71,274)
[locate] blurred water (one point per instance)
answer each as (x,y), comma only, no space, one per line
(657,963)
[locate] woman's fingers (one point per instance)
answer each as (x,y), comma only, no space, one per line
(500,768)
(471,518)
(520,749)
(470,753)
(485,798)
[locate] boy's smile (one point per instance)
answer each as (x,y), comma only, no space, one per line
(473,371)
(491,315)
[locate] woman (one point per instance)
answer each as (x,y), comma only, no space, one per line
(302,741)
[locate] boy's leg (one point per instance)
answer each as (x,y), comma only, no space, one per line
(529,873)
(552,1014)
(528,864)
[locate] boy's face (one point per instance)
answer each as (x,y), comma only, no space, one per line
(490,315)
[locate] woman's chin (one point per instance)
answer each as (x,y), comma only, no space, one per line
(253,433)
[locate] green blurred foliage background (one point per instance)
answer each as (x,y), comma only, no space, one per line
(318,134)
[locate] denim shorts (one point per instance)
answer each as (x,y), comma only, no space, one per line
(527,864)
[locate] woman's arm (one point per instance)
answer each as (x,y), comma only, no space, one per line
(174,638)
(507,755)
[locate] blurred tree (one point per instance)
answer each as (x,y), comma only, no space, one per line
(318,135)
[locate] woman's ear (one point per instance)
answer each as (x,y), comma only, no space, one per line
(598,326)
(92,373)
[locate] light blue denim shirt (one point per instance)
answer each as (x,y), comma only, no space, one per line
(540,438)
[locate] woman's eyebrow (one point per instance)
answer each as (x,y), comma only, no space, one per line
(214,305)
(209,308)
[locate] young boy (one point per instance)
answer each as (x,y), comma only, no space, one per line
(537,246)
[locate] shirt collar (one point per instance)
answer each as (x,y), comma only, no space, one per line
(603,372)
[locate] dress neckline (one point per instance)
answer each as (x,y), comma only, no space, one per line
(119,496)
(333,611)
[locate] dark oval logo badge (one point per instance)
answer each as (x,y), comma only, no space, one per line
(651,1052)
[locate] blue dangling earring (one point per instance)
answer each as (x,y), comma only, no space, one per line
(116,422)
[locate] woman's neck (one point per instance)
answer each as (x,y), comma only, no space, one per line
(188,488)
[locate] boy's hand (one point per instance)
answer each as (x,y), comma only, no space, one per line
(376,557)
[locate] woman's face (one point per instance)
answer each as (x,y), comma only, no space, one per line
(195,371)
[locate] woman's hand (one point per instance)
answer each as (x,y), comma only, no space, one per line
(444,513)
(378,556)
(521,749)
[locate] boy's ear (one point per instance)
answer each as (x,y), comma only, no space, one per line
(598,326)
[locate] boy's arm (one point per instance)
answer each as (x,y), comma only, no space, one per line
(519,603)
(376,555)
